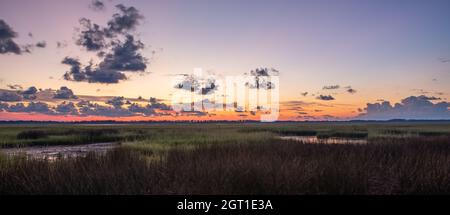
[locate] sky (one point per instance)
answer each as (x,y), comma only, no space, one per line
(336,60)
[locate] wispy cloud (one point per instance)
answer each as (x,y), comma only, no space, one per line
(331,87)
(444,60)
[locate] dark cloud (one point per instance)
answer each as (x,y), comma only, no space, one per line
(100,110)
(116,107)
(87,108)
(429,98)
(61,44)
(118,48)
(116,102)
(10,96)
(32,107)
(30,91)
(7,44)
(84,103)
(19,107)
(124,58)
(92,36)
(160,106)
(71,61)
(444,60)
(325,97)
(210,86)
(412,107)
(30,34)
(261,78)
(188,82)
(64,93)
(199,85)
(97,5)
(41,44)
(156,104)
(127,19)
(145,110)
(87,73)
(104,76)
(331,87)
(15,87)
(134,109)
(263,72)
(4,106)
(75,73)
(67,108)
(351,90)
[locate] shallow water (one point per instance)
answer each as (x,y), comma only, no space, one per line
(332,140)
(61,151)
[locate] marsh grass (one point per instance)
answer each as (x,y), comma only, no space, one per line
(407,166)
(28,135)
(235,159)
(66,135)
(159,144)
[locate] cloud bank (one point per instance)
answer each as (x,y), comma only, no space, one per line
(413,107)
(56,103)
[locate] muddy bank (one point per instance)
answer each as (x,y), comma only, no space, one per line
(60,151)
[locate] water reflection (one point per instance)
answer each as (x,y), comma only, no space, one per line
(331,140)
(62,151)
